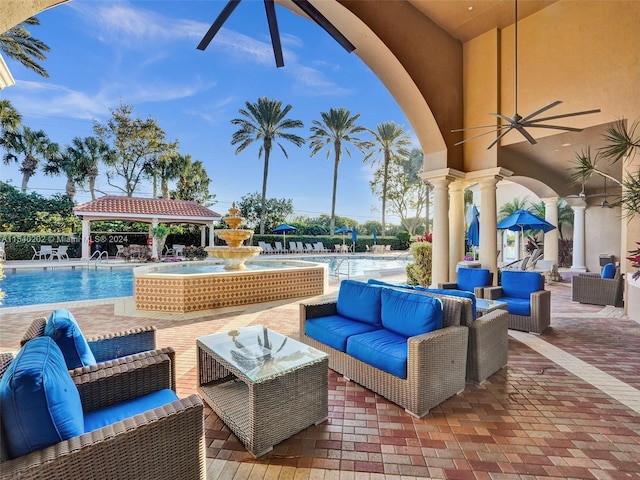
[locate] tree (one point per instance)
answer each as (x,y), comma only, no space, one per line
(406,196)
(64,162)
(251,208)
(510,208)
(87,153)
(389,139)
(265,121)
(337,129)
(193,183)
(34,145)
(18,44)
(565,213)
(10,118)
(167,165)
(135,142)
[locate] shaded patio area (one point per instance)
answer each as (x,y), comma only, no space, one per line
(566,406)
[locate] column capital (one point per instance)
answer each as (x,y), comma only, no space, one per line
(576,202)
(497,174)
(550,199)
(443,174)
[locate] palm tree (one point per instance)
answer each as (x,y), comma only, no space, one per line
(510,208)
(167,164)
(34,145)
(18,44)
(10,119)
(87,153)
(389,139)
(565,213)
(65,163)
(265,121)
(338,127)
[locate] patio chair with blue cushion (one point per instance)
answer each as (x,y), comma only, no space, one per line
(122,422)
(604,289)
(528,303)
(81,352)
(472,280)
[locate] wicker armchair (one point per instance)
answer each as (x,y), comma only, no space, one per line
(516,285)
(472,280)
(166,442)
(591,288)
(113,345)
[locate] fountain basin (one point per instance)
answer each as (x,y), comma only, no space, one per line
(234,257)
(162,288)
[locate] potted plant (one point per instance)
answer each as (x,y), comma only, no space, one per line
(160,233)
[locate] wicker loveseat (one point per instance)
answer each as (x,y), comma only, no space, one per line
(594,289)
(164,442)
(434,364)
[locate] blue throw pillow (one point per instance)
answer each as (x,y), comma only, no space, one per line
(381,283)
(40,403)
(64,330)
(410,314)
(609,270)
(359,301)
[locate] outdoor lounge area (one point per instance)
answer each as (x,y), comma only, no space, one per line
(560,409)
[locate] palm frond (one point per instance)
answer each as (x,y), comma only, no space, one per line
(620,141)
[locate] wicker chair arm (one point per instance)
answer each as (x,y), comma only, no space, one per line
(422,347)
(5,360)
(166,442)
(449,285)
(123,379)
(36,329)
(120,344)
(488,345)
(492,293)
(314,311)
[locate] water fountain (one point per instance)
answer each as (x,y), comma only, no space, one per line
(234,254)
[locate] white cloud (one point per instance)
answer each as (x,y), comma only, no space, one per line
(310,81)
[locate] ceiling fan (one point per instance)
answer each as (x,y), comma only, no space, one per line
(517,122)
(583,196)
(269,6)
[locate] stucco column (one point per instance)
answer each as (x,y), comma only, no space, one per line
(456,226)
(551,237)
(154,244)
(203,235)
(86,236)
(488,181)
(578,238)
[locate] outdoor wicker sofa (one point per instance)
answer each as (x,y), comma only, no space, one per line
(593,289)
(435,365)
(166,442)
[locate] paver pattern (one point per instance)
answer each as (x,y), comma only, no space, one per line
(534,419)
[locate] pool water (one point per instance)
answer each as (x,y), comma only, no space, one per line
(32,287)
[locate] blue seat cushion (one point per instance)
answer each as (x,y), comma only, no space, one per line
(470,278)
(381,283)
(114,413)
(64,330)
(608,271)
(334,330)
(40,403)
(521,284)
(381,349)
(517,306)
(359,301)
(453,293)
(408,313)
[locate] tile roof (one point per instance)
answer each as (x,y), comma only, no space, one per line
(144,208)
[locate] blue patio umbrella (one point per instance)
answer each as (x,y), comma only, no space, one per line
(354,238)
(375,236)
(284,228)
(522,220)
(342,230)
(473,222)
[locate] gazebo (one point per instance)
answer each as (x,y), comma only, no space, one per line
(147,210)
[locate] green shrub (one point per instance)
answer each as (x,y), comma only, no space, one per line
(419,272)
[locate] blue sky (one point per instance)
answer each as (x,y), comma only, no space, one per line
(143,53)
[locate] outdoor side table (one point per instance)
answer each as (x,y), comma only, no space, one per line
(484,306)
(264,386)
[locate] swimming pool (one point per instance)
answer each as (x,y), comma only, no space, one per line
(33,287)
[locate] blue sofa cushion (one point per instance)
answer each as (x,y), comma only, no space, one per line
(381,283)
(470,278)
(114,413)
(359,301)
(334,330)
(453,293)
(408,313)
(517,306)
(381,349)
(608,271)
(521,284)
(64,330)
(40,403)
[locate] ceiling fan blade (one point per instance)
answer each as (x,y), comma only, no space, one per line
(502,127)
(554,127)
(270,8)
(476,128)
(565,115)
(504,117)
(540,110)
(217,24)
(321,20)
(500,136)
(526,134)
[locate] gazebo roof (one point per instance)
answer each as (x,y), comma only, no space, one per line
(113,207)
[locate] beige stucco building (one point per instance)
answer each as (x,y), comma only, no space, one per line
(450,63)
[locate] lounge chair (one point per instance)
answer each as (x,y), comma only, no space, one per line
(3,256)
(308,247)
(268,249)
(61,252)
(293,248)
(163,439)
(319,247)
(300,247)
(279,248)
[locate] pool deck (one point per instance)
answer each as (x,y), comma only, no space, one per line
(566,406)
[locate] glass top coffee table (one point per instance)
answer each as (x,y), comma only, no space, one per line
(484,306)
(264,386)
